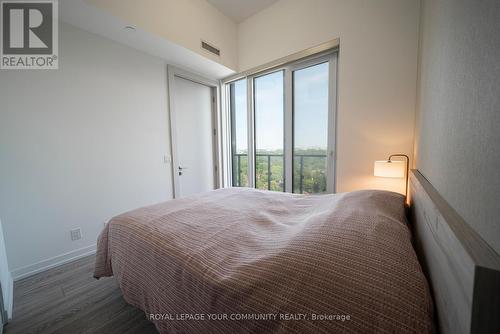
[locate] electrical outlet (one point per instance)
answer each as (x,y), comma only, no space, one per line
(76,234)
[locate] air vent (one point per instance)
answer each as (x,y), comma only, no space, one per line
(210,48)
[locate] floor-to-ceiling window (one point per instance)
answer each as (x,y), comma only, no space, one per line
(269,139)
(239,132)
(310,128)
(283,127)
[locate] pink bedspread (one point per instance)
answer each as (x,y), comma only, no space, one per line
(241,260)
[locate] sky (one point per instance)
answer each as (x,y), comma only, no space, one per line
(310,98)
(269,111)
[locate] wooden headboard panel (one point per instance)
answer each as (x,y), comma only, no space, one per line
(463,271)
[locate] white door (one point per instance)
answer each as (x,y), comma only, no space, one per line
(194,169)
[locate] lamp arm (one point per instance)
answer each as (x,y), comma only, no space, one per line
(407,168)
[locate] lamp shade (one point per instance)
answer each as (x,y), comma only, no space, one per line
(389,168)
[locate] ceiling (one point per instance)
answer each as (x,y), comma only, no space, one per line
(87,17)
(240,10)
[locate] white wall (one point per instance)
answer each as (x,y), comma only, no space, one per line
(185,22)
(79,145)
(458,137)
(377,72)
(5,276)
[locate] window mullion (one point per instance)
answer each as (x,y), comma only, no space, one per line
(250,133)
(288,130)
(332,125)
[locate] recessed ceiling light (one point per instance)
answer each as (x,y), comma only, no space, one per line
(129,28)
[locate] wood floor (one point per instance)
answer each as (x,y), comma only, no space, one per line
(68,300)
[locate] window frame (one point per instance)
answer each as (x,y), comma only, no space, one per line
(330,56)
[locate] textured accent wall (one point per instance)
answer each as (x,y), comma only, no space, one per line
(457,144)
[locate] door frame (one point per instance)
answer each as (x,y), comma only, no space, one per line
(172,73)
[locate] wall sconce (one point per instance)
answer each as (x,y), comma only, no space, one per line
(393,168)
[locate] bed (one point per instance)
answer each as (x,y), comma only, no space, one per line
(242,260)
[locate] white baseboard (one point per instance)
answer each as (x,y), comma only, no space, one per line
(35,268)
